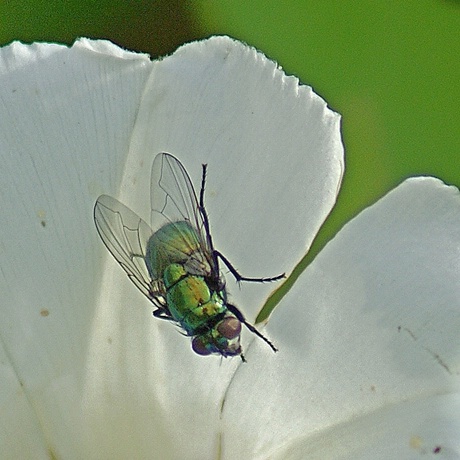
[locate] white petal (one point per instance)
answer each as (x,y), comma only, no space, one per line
(67,117)
(147,394)
(21,434)
(273,148)
(372,323)
(413,429)
(71,146)
(187,389)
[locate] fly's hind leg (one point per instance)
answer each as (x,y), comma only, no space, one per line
(216,254)
(239,277)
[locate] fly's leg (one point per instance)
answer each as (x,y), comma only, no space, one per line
(239,277)
(216,255)
(162,314)
(242,319)
(204,214)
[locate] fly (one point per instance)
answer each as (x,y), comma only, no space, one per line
(174,262)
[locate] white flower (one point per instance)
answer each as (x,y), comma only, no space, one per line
(368,336)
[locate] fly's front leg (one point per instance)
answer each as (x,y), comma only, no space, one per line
(242,319)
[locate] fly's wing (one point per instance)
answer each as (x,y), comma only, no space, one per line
(173,198)
(125,235)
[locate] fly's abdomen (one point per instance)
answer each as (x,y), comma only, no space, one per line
(173,243)
(189,299)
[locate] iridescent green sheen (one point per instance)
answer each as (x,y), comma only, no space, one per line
(189,299)
(173,243)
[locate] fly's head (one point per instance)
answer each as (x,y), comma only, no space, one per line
(222,339)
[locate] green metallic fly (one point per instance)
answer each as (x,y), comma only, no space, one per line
(174,262)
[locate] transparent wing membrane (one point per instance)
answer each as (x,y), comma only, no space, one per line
(125,235)
(173,196)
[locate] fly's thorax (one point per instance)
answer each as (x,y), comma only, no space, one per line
(175,242)
(222,339)
(190,300)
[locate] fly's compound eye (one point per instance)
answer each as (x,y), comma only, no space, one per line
(230,328)
(200,346)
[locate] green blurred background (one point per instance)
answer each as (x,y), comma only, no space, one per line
(391,68)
